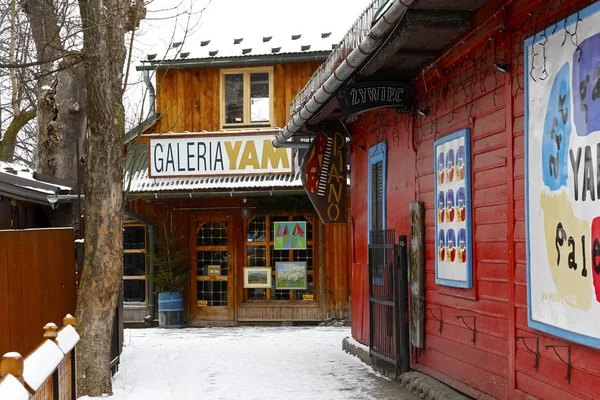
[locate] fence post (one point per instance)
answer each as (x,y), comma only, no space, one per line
(402,312)
(51,331)
(12,363)
(70,320)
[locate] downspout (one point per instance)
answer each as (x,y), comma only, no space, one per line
(345,70)
(150,227)
(151,92)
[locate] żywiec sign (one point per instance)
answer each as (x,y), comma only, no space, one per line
(361,97)
(324,177)
(202,155)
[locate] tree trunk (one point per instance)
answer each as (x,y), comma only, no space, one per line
(9,140)
(62,124)
(104,52)
(61,111)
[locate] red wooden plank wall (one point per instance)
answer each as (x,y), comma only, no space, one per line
(491,104)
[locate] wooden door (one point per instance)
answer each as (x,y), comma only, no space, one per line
(212,260)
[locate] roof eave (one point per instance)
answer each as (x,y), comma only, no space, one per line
(237,61)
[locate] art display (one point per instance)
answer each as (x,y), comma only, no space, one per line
(453,266)
(257,277)
(562,177)
(291,275)
(289,235)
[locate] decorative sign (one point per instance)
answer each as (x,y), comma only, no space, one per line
(201,155)
(562,131)
(416,276)
(453,266)
(307,297)
(202,303)
(214,270)
(289,235)
(257,277)
(291,275)
(324,177)
(361,97)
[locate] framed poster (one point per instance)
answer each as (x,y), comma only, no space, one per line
(291,275)
(562,160)
(453,263)
(257,277)
(289,235)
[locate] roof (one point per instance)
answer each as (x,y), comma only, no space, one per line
(237,50)
(22,183)
(398,37)
(142,127)
(136,167)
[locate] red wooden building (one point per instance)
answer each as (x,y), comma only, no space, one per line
(520,320)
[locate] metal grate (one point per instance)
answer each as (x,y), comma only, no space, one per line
(213,292)
(206,258)
(212,234)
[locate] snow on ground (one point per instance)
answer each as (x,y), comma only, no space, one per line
(245,363)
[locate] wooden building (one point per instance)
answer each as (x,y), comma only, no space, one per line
(205,167)
(492,148)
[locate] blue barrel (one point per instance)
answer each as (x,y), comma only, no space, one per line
(170,310)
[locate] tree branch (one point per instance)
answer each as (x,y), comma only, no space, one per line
(7,145)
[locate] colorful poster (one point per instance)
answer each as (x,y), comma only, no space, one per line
(453,210)
(290,235)
(562,140)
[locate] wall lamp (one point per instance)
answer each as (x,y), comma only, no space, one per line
(501,67)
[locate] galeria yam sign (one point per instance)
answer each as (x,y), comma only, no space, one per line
(201,155)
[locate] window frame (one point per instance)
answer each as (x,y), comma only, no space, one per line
(137,277)
(268,243)
(377,153)
(246,123)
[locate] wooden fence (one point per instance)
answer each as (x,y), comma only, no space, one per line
(37,283)
(48,372)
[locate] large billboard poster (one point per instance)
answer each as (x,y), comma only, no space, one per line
(562,139)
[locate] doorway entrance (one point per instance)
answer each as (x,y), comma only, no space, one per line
(212,288)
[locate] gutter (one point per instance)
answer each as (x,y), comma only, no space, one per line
(150,225)
(351,64)
(237,61)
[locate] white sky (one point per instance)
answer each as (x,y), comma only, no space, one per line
(168,20)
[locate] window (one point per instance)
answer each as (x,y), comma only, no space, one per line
(247,98)
(377,197)
(134,263)
(260,252)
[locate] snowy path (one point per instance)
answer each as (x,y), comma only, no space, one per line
(245,363)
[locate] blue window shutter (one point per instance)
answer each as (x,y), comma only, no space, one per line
(377,154)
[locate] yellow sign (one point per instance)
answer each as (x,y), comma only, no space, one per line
(201,155)
(307,297)
(202,303)
(214,270)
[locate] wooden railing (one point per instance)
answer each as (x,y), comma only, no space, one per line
(48,372)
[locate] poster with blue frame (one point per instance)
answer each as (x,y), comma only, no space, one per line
(562,177)
(453,263)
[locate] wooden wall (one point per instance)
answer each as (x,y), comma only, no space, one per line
(190,99)
(37,284)
(337,264)
(497,366)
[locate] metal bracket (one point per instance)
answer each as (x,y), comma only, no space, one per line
(567,363)
(441,320)
(473,329)
(537,349)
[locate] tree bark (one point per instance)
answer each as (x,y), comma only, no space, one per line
(61,111)
(104,52)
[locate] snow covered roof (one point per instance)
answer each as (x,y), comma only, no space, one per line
(136,171)
(236,50)
(22,183)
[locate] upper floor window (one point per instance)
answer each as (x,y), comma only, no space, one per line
(247,98)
